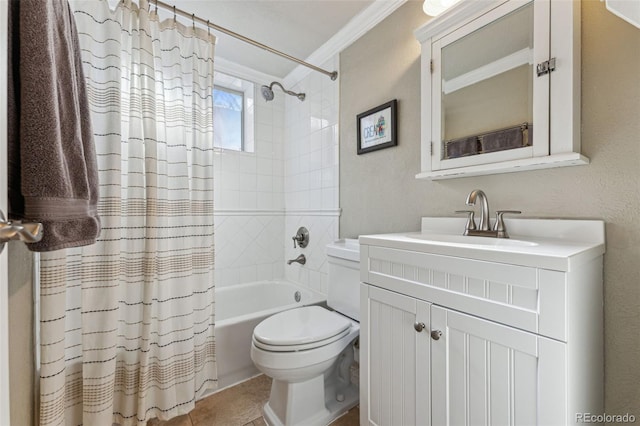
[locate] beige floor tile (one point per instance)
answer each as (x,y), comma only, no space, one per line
(352,418)
(260,422)
(240,405)
(184,420)
(235,406)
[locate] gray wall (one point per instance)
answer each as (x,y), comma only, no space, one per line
(378,191)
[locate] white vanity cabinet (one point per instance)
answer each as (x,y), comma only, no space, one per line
(488,373)
(465,334)
(500,88)
(399,388)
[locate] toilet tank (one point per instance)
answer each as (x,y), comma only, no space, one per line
(343,257)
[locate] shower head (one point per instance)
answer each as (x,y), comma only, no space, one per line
(267,92)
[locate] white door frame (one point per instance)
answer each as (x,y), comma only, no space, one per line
(4,279)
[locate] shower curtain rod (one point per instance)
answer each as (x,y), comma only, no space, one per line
(176,11)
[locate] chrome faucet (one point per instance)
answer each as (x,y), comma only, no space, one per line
(300,259)
(484,228)
(301,237)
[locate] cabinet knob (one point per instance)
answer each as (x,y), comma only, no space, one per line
(435,334)
(419,326)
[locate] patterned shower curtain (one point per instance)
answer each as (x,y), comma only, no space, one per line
(127,325)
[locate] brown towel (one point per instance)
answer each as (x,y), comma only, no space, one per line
(53,176)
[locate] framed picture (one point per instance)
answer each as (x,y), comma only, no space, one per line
(377,128)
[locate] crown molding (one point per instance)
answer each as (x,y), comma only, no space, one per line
(356,28)
(453,16)
(232,68)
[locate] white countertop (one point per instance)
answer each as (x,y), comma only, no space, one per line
(555,244)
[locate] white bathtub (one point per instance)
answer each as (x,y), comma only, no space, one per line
(239,308)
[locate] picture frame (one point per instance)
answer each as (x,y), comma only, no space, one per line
(377,128)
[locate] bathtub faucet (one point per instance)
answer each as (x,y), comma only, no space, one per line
(300,259)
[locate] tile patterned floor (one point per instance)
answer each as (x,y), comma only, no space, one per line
(240,405)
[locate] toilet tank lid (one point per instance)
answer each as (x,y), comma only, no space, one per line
(346,248)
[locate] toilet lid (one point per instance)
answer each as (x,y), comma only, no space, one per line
(300,326)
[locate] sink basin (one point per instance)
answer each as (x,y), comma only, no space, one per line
(471,241)
(552,244)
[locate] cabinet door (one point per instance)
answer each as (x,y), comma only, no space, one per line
(488,104)
(394,359)
(484,373)
(500,88)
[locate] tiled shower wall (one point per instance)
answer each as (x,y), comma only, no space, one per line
(249,202)
(311,175)
(290,181)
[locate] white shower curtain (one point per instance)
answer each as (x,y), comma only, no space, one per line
(127,325)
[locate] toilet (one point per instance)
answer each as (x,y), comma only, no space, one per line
(309,351)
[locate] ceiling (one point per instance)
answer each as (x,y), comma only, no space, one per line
(295,27)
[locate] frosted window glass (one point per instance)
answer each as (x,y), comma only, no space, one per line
(228,118)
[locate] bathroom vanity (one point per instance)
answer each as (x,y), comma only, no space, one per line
(459,330)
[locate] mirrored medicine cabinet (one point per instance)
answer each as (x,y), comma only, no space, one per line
(500,88)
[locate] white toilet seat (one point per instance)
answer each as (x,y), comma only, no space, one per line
(269,361)
(301,347)
(299,329)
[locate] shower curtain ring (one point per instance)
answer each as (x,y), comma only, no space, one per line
(156,7)
(174,13)
(208,28)
(193,21)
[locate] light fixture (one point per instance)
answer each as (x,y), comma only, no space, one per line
(436,7)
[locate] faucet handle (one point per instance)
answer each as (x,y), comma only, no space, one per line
(471,223)
(499,223)
(301,237)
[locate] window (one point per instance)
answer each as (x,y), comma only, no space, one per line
(228,117)
(232,113)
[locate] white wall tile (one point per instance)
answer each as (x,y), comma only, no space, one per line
(329,198)
(322,230)
(246,163)
(329,175)
(265,131)
(247,182)
(315,179)
(315,141)
(315,160)
(265,272)
(264,201)
(264,184)
(278,136)
(295,167)
(229,161)
(247,200)
(315,199)
(264,149)
(228,199)
(248,273)
(264,166)
(328,137)
(248,248)
(230,180)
